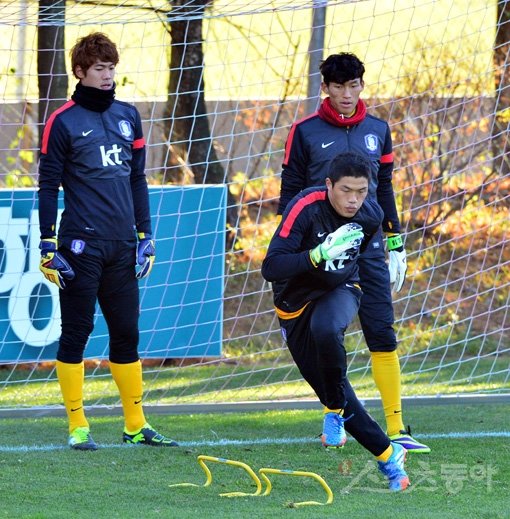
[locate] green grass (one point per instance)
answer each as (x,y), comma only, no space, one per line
(462,477)
(225,382)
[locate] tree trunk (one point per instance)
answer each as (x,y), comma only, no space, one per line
(315,55)
(191,147)
(186,119)
(51,70)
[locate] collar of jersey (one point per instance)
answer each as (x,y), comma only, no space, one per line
(93,98)
(330,115)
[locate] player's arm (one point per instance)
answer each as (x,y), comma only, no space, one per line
(391,223)
(284,258)
(385,192)
(54,149)
(146,249)
(370,217)
(284,261)
(138,180)
(293,168)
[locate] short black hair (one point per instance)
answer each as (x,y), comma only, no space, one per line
(342,67)
(349,165)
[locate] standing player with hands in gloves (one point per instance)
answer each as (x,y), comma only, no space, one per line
(94,147)
(312,264)
(343,125)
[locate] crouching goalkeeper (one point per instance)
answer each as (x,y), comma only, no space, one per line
(312,263)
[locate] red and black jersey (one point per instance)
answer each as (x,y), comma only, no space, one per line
(307,220)
(99,159)
(315,140)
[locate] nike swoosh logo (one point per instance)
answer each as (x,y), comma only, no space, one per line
(320,234)
(327,145)
(77,409)
(137,401)
(86,133)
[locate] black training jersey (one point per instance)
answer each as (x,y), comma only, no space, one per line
(313,142)
(99,159)
(307,220)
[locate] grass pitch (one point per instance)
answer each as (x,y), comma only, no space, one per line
(466,475)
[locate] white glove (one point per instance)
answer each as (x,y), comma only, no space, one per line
(398,262)
(348,236)
(398,269)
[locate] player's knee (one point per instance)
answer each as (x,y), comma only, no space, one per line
(380,346)
(70,356)
(124,346)
(125,355)
(327,335)
(76,332)
(380,337)
(72,343)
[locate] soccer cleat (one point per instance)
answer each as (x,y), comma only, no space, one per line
(148,436)
(333,432)
(405,439)
(393,469)
(81,440)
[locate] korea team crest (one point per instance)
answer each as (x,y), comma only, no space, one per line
(77,246)
(125,129)
(371,142)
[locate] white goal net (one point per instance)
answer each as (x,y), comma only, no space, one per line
(218,84)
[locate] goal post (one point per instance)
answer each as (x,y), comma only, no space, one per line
(436,71)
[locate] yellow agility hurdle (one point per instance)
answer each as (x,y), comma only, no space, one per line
(202,461)
(264,471)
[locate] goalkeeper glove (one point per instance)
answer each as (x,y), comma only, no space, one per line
(145,254)
(348,236)
(398,262)
(53,265)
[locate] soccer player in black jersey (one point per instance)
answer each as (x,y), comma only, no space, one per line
(343,124)
(312,264)
(93,146)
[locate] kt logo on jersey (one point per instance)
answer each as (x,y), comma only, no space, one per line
(112,156)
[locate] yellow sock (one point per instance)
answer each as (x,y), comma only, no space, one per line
(338,411)
(386,373)
(71,377)
(385,456)
(128,378)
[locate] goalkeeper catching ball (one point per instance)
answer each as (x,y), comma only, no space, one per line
(94,148)
(312,264)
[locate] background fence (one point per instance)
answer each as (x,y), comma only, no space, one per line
(218,85)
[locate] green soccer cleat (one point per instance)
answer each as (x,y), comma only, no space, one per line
(148,436)
(80,440)
(405,439)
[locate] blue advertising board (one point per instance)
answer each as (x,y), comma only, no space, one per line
(181,301)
